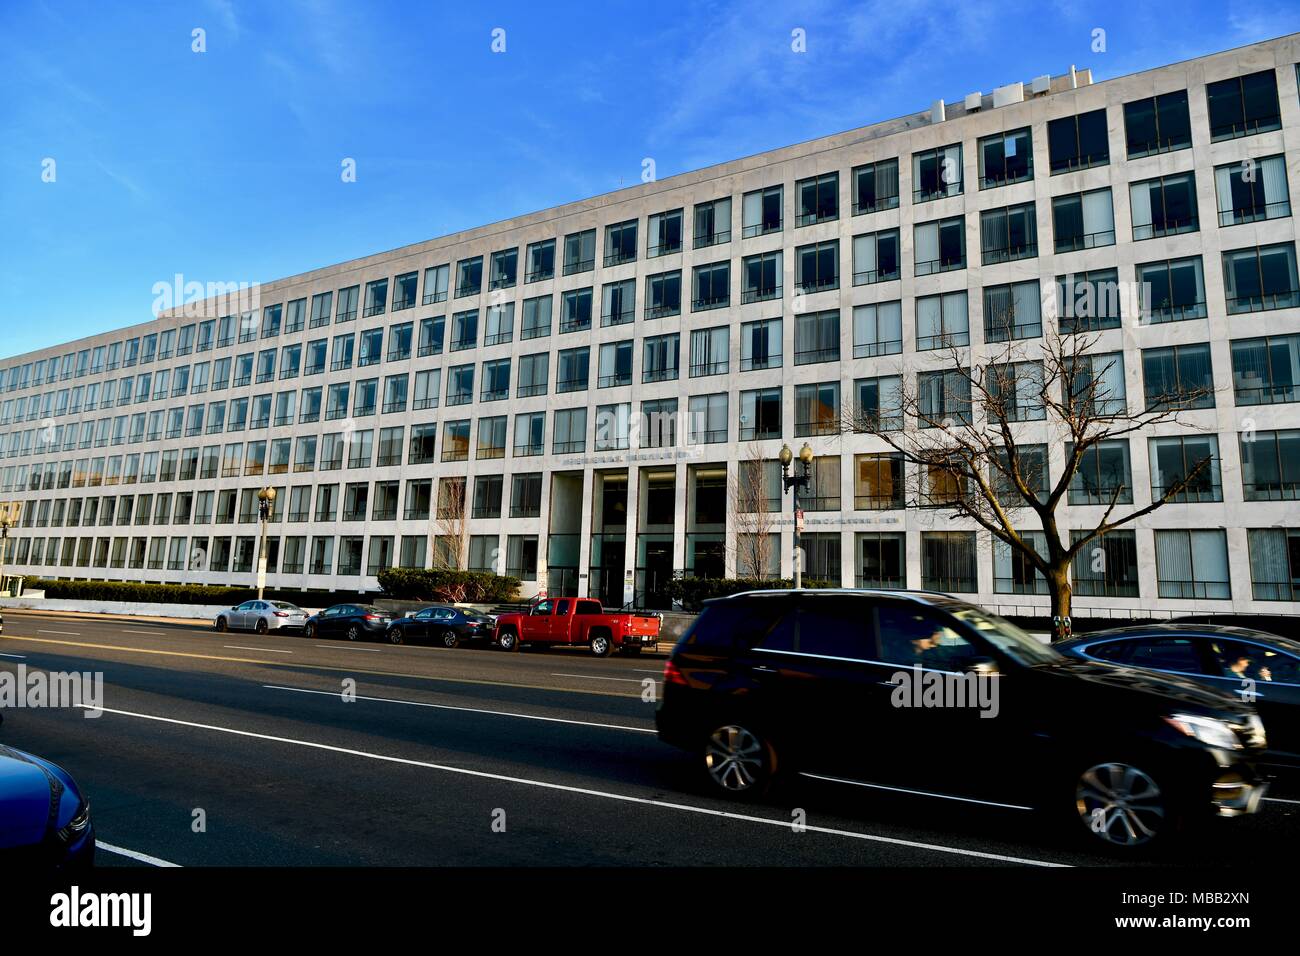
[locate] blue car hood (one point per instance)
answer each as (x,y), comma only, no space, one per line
(30,794)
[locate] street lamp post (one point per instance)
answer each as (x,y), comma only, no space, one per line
(265,502)
(793,482)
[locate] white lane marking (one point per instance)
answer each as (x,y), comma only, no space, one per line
(140,630)
(20,657)
(914,793)
(133,854)
(601,794)
(642,670)
(241,647)
(469,710)
(625,680)
(351,647)
(41,630)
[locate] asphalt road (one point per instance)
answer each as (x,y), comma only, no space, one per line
(460,757)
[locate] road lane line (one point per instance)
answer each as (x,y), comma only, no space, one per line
(134,854)
(470,710)
(585,791)
(264,650)
(625,680)
(350,647)
(225,658)
(42,630)
(140,630)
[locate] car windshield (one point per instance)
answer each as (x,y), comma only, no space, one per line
(285,605)
(1005,636)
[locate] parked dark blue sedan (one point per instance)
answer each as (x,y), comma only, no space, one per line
(44,819)
(441,624)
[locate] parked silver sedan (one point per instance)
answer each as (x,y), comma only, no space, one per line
(262,616)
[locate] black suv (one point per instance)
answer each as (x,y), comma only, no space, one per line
(923,693)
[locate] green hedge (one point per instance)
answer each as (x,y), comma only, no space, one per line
(135,592)
(693,592)
(474,587)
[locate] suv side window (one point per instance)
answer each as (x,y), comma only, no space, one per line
(825,627)
(728,624)
(1167,654)
(1239,659)
(912,635)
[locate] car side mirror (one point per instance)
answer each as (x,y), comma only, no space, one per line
(234,607)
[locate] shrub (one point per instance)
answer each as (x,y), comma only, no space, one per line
(693,592)
(440,584)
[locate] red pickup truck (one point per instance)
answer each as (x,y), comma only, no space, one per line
(578,621)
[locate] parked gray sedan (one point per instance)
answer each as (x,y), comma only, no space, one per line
(262,616)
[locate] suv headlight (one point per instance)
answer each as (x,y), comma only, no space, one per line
(1208,730)
(77,825)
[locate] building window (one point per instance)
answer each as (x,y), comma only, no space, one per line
(1106,566)
(817,337)
(534,371)
(663,295)
(376,298)
(1178,377)
(1172,291)
(878,482)
(942,321)
(537,318)
(1186,468)
(491,437)
(761,211)
(943,397)
(576,311)
(948,561)
(817,266)
(1270,465)
(541,261)
(618,303)
(500,324)
(1083,221)
(1252,190)
(710,349)
(469,276)
(580,252)
(821,557)
(487,496)
(1006,158)
(1157,124)
(1261,278)
(435,284)
(762,277)
(1274,563)
(937,173)
(530,438)
(877,329)
(620,243)
(1243,105)
(1007,234)
(875,187)
(572,371)
(1013,571)
(464,331)
(455,441)
(1095,385)
(817,409)
(423,438)
(570,431)
(707,421)
(615,367)
(658,425)
(1193,564)
(504,269)
(1015,392)
(882,560)
(818,198)
(613,427)
(1078,142)
(1266,370)
(660,358)
(496,381)
(712,223)
(346,309)
(712,287)
(404,287)
(1164,207)
(664,234)
(875,257)
(879,404)
(760,414)
(1089,301)
(940,246)
(521,556)
(1012,311)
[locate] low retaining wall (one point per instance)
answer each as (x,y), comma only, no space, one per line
(196,612)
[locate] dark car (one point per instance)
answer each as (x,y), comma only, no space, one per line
(353,621)
(928,695)
(44,819)
(1261,669)
(442,624)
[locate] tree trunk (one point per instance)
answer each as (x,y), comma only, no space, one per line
(1058,586)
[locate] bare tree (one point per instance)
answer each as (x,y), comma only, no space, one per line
(978,438)
(753,516)
(451,525)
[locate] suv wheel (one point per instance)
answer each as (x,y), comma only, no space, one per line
(600,645)
(739,761)
(449,638)
(395,635)
(221,625)
(509,641)
(261,625)
(309,631)
(1122,805)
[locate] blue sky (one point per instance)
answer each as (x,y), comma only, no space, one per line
(224,166)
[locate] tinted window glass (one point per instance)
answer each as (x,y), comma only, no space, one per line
(1237,659)
(915,635)
(1168,654)
(1115,651)
(721,625)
